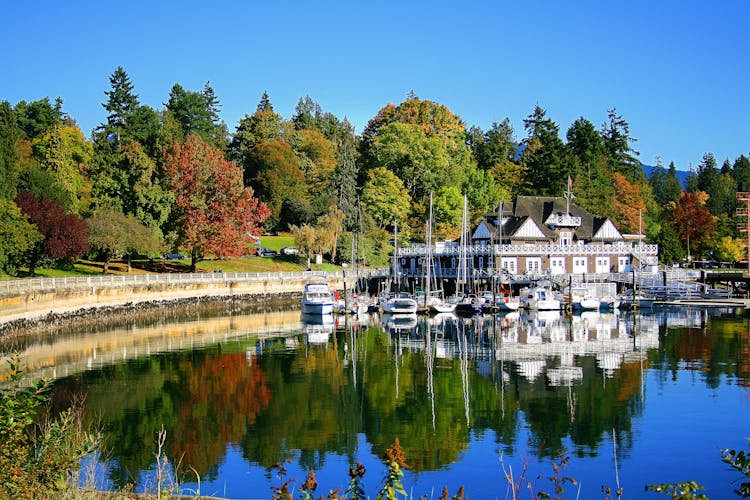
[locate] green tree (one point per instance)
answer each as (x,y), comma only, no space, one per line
(65,153)
(198,114)
(741,173)
(544,157)
(385,198)
(448,209)
(273,170)
(616,136)
(18,236)
(497,145)
(121,102)
(730,249)
(422,142)
(114,235)
(9,160)
(37,117)
(265,125)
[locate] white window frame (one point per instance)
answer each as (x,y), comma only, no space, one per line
(623,264)
(580,265)
(557,265)
(533,264)
(510,264)
(566,238)
(602,264)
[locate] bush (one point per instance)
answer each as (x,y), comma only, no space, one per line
(38,453)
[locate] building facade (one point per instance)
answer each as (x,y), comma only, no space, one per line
(534,236)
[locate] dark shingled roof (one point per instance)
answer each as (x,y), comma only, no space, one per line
(538,209)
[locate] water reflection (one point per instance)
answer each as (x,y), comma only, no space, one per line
(330,391)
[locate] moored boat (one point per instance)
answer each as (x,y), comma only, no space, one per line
(317,298)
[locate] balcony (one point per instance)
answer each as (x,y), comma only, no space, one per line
(533,249)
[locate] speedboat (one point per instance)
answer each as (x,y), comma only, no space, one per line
(317,298)
(583,299)
(539,299)
(398,303)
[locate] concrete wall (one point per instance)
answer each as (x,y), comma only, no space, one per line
(36,304)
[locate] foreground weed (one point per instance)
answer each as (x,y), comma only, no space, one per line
(392,483)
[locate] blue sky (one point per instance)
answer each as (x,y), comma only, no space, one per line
(677,71)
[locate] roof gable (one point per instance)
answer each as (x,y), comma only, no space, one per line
(528,230)
(607,231)
(482,232)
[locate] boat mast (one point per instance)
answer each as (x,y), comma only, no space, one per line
(428,240)
(461,279)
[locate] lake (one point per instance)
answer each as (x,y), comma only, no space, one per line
(618,399)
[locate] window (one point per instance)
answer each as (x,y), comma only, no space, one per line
(557,265)
(602,264)
(565,238)
(533,264)
(509,264)
(579,265)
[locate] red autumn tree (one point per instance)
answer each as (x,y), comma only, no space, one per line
(65,235)
(692,221)
(213,212)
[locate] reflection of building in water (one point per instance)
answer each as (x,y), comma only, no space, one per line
(540,343)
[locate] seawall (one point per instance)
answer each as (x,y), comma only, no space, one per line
(37,302)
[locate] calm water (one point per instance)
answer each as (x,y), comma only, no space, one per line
(641,399)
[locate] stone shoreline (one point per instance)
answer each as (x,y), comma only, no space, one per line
(130,311)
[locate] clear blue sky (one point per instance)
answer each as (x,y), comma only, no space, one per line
(677,71)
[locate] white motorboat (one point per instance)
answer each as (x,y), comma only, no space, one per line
(583,299)
(317,298)
(398,303)
(539,299)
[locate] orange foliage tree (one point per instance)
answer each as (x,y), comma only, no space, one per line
(213,212)
(692,221)
(629,204)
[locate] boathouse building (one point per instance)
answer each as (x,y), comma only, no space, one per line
(532,236)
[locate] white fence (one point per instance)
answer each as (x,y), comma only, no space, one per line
(19,286)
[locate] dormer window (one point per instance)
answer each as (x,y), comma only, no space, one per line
(566,238)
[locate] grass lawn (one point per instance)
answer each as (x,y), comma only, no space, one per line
(253,264)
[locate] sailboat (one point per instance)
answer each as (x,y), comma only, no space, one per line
(466,304)
(505,302)
(394,301)
(434,301)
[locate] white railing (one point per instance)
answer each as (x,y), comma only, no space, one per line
(113,281)
(533,249)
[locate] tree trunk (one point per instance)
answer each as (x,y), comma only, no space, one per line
(193,262)
(105,269)
(130,267)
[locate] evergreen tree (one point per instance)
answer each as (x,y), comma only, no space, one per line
(707,172)
(198,114)
(306,114)
(35,118)
(9,162)
(265,103)
(616,137)
(741,173)
(672,186)
(544,155)
(121,101)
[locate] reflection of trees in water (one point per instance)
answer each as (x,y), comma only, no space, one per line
(302,400)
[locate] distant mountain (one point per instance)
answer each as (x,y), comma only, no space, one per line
(682,175)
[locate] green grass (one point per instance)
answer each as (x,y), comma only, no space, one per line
(277,242)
